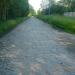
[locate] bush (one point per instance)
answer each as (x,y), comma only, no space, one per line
(65,23)
(8,25)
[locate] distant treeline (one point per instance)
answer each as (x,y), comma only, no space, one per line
(10,9)
(59,7)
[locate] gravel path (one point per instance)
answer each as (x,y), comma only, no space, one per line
(35,48)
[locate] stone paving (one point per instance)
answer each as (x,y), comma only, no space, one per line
(35,48)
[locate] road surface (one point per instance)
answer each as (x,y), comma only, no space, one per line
(35,48)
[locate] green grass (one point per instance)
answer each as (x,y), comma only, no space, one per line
(8,25)
(62,22)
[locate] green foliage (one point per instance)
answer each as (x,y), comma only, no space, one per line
(54,9)
(69,4)
(32,11)
(59,7)
(13,8)
(9,24)
(65,23)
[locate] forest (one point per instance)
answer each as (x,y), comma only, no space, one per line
(59,7)
(12,12)
(53,13)
(10,9)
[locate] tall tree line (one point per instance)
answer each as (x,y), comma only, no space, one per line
(69,4)
(13,8)
(59,7)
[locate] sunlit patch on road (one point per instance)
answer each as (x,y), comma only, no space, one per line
(13,45)
(41,60)
(35,68)
(20,74)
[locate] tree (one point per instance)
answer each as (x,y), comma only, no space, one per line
(53,8)
(69,4)
(13,8)
(32,11)
(73,5)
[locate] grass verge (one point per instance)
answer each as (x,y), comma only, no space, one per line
(8,25)
(62,22)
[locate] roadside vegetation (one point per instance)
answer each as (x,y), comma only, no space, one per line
(8,25)
(12,12)
(65,23)
(53,13)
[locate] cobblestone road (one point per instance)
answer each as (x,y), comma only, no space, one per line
(35,48)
